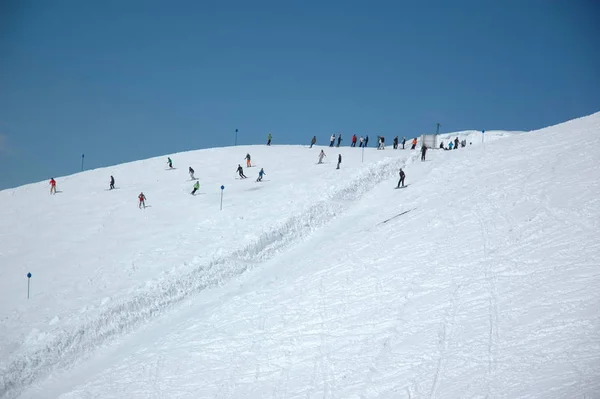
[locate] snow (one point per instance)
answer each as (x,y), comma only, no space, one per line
(485,287)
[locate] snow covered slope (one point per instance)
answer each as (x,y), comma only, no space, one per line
(477,280)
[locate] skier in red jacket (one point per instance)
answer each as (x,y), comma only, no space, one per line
(52,186)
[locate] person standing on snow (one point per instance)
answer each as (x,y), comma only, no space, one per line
(361,141)
(414,144)
(353,141)
(196,187)
(142,199)
(191,173)
(366,141)
(240,171)
(248,164)
(402,176)
(403,142)
(170,163)
(269,137)
(321,155)
(332,140)
(456,143)
(260,174)
(423,151)
(395,143)
(339,160)
(52,186)
(339,139)
(313,141)
(112,183)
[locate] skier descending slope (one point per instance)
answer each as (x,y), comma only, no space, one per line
(142,199)
(240,171)
(52,186)
(247,158)
(169,162)
(402,176)
(423,151)
(321,155)
(196,187)
(269,138)
(339,161)
(191,173)
(260,175)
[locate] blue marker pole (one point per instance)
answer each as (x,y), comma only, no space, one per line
(222,189)
(28,281)
(82,156)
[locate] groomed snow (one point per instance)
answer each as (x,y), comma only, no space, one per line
(486,287)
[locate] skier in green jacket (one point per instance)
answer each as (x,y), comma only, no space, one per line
(196,187)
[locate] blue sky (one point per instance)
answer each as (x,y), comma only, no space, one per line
(127,80)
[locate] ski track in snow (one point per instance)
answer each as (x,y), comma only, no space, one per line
(71,346)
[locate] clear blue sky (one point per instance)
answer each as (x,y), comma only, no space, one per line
(131,79)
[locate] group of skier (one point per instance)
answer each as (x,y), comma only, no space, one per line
(454,145)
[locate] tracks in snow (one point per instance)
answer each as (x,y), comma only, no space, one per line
(70,346)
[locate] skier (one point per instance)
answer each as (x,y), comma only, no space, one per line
(382,143)
(196,187)
(269,137)
(339,139)
(170,163)
(362,141)
(450,145)
(52,186)
(403,142)
(240,170)
(395,143)
(339,160)
(353,141)
(423,151)
(321,155)
(313,141)
(402,176)
(442,145)
(191,173)
(248,164)
(414,144)
(112,183)
(379,142)
(366,141)
(456,143)
(332,140)
(260,174)
(142,199)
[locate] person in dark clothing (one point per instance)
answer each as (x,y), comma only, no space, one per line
(402,176)
(339,161)
(112,183)
(442,145)
(395,143)
(423,151)
(366,141)
(191,171)
(339,139)
(456,143)
(313,141)
(353,141)
(240,170)
(403,142)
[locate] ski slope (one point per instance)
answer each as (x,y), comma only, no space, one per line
(477,280)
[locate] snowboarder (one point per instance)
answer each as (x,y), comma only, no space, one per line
(339,139)
(269,137)
(248,164)
(52,186)
(362,141)
(414,144)
(403,142)
(260,174)
(142,199)
(191,173)
(170,163)
(402,176)
(332,140)
(313,141)
(339,160)
(353,141)
(196,187)
(395,143)
(112,183)
(321,155)
(423,151)
(240,171)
